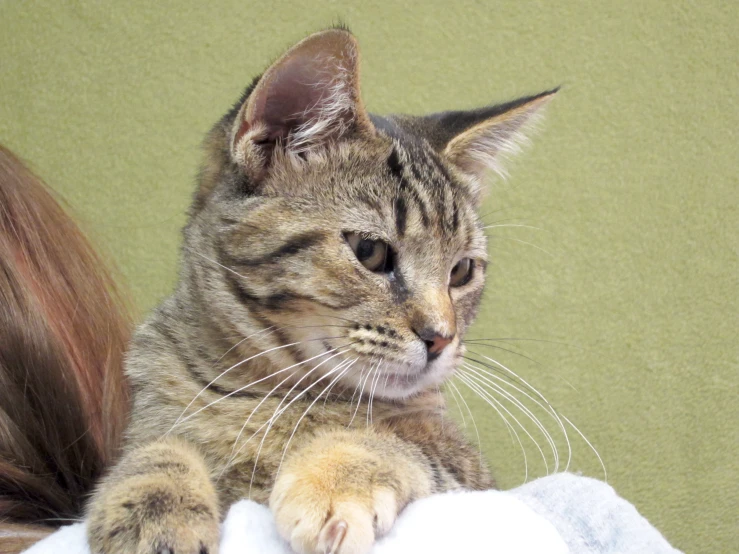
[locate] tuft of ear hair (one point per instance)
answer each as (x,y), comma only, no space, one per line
(308,98)
(476,141)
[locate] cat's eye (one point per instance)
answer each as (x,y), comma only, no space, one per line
(462,272)
(373,254)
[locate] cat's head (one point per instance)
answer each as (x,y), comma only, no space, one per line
(345,243)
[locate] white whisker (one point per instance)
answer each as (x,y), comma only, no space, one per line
(493,403)
(214,380)
(595,451)
(220,265)
(361,392)
(356,387)
(253,382)
(459,406)
(518,422)
(279,410)
(373,387)
(484,379)
(523,242)
(328,393)
(474,424)
(551,410)
(277,414)
(331,384)
(360,380)
(495,388)
(273,390)
(514,225)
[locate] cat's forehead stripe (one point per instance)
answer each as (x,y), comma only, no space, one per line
(425,186)
(406,189)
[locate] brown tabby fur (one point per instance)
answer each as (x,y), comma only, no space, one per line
(274,314)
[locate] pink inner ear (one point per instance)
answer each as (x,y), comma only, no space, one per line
(297,92)
(308,98)
(292,93)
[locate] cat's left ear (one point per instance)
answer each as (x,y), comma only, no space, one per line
(476,141)
(307,99)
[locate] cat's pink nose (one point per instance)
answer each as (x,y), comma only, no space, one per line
(438,344)
(435,342)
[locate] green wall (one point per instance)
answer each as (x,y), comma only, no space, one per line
(633,179)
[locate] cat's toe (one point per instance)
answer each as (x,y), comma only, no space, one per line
(332,535)
(350,530)
(347,526)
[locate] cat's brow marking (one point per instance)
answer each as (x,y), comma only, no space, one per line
(290,247)
(406,188)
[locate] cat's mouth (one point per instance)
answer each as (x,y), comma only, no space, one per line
(397,379)
(382,372)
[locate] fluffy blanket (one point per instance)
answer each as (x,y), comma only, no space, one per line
(557,514)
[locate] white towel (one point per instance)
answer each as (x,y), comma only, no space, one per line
(557,514)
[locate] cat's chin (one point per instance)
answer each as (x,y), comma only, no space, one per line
(404,384)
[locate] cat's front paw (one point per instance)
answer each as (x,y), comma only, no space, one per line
(152,516)
(332,510)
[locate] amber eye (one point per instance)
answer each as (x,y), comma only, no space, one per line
(461,272)
(375,255)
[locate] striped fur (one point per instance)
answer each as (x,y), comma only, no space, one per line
(274,315)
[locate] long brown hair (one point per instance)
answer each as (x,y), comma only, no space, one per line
(63,330)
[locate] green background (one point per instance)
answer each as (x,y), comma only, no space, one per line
(633,180)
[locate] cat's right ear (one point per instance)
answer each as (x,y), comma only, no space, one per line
(476,141)
(307,99)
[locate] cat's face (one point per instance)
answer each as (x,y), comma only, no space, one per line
(373,250)
(347,248)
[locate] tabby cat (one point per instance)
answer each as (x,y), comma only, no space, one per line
(331,257)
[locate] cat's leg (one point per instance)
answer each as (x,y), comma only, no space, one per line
(344,488)
(158,499)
